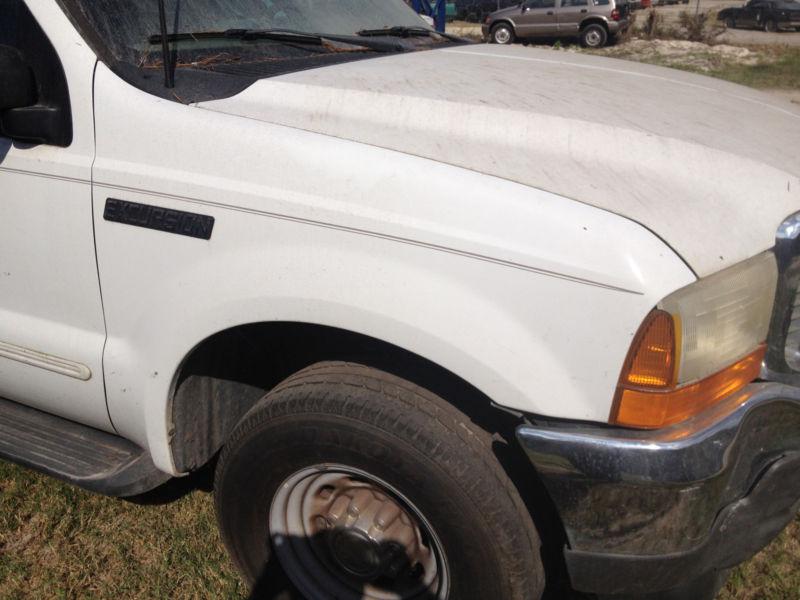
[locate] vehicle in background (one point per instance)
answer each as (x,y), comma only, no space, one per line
(594,22)
(769,15)
(475,11)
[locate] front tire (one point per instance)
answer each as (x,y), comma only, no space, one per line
(594,36)
(352,483)
(503,33)
(770,26)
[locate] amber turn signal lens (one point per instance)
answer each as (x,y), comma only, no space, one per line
(651,360)
(652,408)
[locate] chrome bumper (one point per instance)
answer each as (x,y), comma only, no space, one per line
(646,511)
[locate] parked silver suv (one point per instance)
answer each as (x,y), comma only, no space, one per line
(594,22)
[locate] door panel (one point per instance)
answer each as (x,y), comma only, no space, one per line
(570,14)
(537,18)
(51,319)
(749,17)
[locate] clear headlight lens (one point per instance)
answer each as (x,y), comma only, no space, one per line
(722,317)
(700,345)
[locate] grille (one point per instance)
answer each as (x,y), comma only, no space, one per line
(791,348)
(782,362)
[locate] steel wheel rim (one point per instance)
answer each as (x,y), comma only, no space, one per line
(502,35)
(341,533)
(593,38)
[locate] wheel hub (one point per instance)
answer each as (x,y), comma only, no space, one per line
(356,553)
(369,534)
(355,534)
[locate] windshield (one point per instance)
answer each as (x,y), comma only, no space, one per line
(125,26)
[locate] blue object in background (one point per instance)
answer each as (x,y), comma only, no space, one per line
(433,8)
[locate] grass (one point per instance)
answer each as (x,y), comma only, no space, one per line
(780,71)
(59,542)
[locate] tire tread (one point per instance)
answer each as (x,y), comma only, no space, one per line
(348,390)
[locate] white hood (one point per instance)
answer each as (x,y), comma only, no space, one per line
(712,168)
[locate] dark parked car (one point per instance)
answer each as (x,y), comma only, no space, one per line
(594,22)
(769,15)
(475,11)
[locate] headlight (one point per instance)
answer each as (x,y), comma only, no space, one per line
(700,345)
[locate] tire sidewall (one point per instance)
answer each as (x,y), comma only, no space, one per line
(247,484)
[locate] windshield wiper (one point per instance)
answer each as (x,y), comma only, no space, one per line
(406,32)
(281,35)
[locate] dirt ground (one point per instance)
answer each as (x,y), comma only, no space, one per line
(790,95)
(748,37)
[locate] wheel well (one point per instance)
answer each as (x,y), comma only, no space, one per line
(595,21)
(227,373)
(495,24)
(230,371)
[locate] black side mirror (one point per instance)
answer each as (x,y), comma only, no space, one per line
(19,87)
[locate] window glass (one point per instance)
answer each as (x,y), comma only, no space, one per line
(126,26)
(574,2)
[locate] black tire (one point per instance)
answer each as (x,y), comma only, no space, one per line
(770,26)
(594,35)
(502,33)
(730,23)
(398,433)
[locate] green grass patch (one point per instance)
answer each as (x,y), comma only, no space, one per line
(57,541)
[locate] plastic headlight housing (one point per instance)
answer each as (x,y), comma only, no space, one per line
(700,345)
(721,318)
